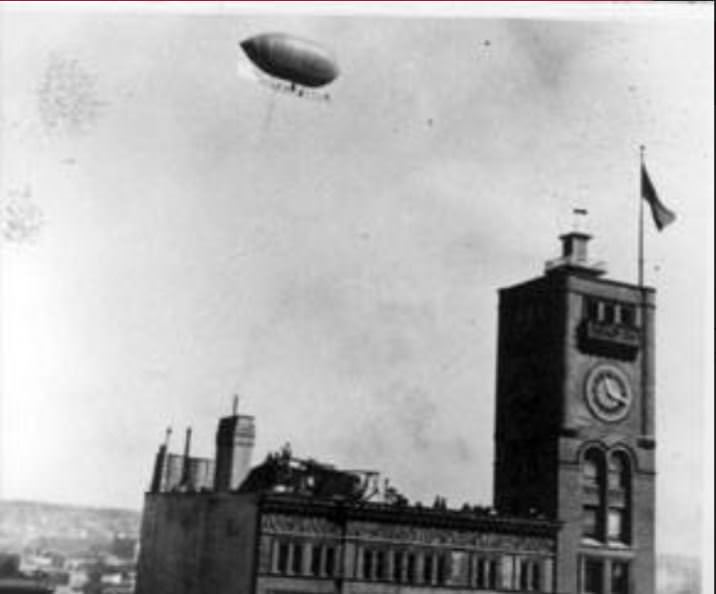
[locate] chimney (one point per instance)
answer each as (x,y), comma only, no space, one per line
(158,477)
(234,444)
(185,472)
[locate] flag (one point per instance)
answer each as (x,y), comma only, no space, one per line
(662,215)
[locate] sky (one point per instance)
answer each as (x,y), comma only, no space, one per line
(191,234)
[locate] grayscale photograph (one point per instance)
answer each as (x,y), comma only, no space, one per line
(356,297)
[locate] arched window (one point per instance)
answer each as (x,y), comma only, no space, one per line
(593,488)
(619,498)
(606,496)
(619,473)
(592,467)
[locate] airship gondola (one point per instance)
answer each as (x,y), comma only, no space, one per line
(289,63)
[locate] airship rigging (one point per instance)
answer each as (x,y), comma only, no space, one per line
(290,64)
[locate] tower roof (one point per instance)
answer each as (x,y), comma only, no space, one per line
(574,256)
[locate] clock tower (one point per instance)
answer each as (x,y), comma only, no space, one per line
(575,419)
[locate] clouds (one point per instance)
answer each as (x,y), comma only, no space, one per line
(337,266)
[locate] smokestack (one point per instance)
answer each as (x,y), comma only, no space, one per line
(158,476)
(235,438)
(187,460)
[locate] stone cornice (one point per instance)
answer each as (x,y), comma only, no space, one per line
(344,511)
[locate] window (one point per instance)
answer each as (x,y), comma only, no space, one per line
(428,569)
(486,574)
(524,575)
(330,561)
(536,581)
(316,551)
(620,577)
(282,562)
(381,567)
(619,498)
(398,566)
(410,568)
(374,564)
(593,495)
(591,526)
(627,315)
(593,577)
(616,525)
(297,562)
(368,564)
(442,569)
(606,500)
(492,574)
(591,468)
(592,309)
(600,576)
(609,313)
(530,579)
(618,471)
(480,574)
(605,312)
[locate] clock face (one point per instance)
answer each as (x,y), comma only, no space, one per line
(607,393)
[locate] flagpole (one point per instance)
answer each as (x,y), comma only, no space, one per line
(642,148)
(645,423)
(642,304)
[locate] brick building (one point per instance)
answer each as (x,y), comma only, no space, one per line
(574,477)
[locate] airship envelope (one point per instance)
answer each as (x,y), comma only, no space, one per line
(298,61)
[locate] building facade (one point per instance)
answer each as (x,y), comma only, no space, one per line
(573,509)
(271,543)
(575,419)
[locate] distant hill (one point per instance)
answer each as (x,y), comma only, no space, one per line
(67,528)
(72,529)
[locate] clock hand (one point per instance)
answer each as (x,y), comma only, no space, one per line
(614,394)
